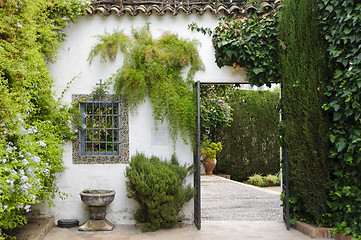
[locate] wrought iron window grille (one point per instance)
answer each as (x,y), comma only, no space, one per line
(100,133)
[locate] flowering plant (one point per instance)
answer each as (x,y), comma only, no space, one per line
(33,125)
(210,149)
(215,112)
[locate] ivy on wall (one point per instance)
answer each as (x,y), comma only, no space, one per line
(33,125)
(154,68)
(341,26)
(250,143)
(249,43)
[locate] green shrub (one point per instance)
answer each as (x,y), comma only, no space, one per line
(256,179)
(275,179)
(158,188)
(261,181)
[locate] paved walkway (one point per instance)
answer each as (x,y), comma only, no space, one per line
(227,200)
(242,212)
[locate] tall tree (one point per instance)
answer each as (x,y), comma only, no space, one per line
(305,125)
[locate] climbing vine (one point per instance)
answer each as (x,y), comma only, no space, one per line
(154,68)
(33,125)
(341,26)
(249,43)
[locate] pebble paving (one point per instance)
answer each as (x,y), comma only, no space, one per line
(227,200)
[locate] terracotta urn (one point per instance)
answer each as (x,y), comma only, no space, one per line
(97,200)
(209,165)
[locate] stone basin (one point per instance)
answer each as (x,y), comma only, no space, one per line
(97,200)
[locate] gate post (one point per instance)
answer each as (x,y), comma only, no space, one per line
(197,173)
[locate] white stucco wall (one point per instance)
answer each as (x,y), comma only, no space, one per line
(73,62)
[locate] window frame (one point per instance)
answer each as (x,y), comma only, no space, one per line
(122,155)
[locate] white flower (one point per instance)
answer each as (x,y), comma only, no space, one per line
(11,182)
(27,208)
(35,159)
(41,143)
(24,179)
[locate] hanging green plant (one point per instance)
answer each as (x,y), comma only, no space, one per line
(109,44)
(154,68)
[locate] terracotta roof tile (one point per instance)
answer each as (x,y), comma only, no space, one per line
(148,7)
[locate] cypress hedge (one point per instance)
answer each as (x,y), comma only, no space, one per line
(250,143)
(305,125)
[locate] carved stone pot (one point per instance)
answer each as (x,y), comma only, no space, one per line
(97,200)
(209,165)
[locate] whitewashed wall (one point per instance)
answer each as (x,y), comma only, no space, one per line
(73,62)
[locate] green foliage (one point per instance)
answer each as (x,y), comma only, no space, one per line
(305,125)
(215,111)
(249,43)
(274,179)
(33,125)
(154,68)
(264,181)
(210,149)
(250,143)
(255,179)
(158,187)
(108,45)
(341,26)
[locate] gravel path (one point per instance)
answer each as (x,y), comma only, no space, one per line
(227,200)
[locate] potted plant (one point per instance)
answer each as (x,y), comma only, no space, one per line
(272,180)
(209,151)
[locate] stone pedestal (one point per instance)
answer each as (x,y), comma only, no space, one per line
(97,225)
(97,200)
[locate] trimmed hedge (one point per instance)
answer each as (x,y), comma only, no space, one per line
(305,125)
(250,144)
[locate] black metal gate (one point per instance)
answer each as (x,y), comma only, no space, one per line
(197,173)
(286,188)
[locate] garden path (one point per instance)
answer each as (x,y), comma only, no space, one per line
(227,200)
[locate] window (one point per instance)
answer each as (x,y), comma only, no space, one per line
(100,133)
(103,136)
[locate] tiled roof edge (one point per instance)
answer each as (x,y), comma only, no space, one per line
(161,8)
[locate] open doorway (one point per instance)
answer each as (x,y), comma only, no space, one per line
(221,199)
